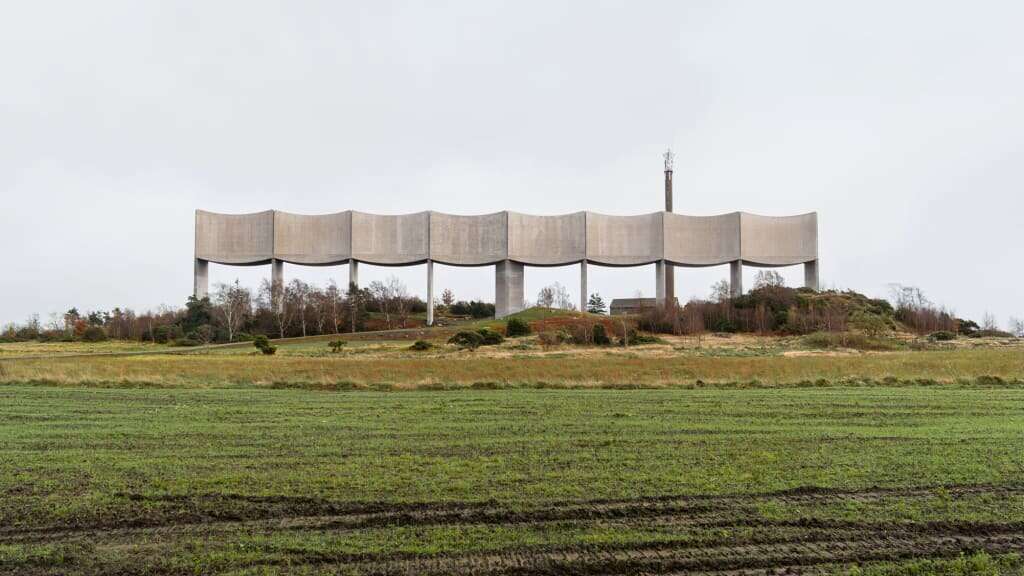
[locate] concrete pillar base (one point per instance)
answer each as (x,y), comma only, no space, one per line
(201,281)
(811,275)
(508,288)
(736,278)
(583,286)
(430,293)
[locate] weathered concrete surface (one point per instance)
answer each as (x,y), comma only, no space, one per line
(235,238)
(201,280)
(353,273)
(486,239)
(468,240)
(660,295)
(736,278)
(390,240)
(508,288)
(313,239)
(508,238)
(778,240)
(547,240)
(583,286)
(277,272)
(430,292)
(811,275)
(625,240)
(702,240)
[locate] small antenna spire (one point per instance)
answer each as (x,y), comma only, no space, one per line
(670,159)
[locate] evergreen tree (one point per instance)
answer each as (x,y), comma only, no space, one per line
(596,304)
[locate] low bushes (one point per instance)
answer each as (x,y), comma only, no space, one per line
(336,345)
(942,336)
(421,345)
(853,340)
(490,337)
(467,340)
(263,345)
(516,327)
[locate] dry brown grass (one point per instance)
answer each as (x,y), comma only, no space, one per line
(656,367)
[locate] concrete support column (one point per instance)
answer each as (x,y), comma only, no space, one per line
(276,272)
(201,281)
(353,273)
(736,278)
(811,275)
(659,283)
(430,292)
(583,286)
(508,288)
(670,283)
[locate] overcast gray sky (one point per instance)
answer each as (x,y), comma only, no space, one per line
(901,123)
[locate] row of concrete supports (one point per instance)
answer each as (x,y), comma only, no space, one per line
(509,279)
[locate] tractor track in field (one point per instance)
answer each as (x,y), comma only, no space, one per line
(715,534)
(205,513)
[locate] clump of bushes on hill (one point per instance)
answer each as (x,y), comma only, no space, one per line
(421,345)
(467,340)
(852,340)
(473,308)
(490,337)
(336,345)
(516,327)
(942,336)
(263,345)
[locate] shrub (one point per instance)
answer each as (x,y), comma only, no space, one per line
(601,335)
(187,341)
(336,345)
(244,337)
(94,334)
(263,345)
(942,336)
(421,345)
(516,327)
(552,337)
(490,337)
(854,340)
(467,340)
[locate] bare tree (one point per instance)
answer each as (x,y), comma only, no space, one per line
(233,302)
(298,294)
(1017,327)
(275,297)
(546,297)
(400,301)
(988,322)
(333,303)
(768,279)
(721,291)
(447,297)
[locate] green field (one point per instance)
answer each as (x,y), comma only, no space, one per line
(260,481)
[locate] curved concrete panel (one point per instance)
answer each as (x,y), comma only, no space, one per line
(468,240)
(390,240)
(235,238)
(778,240)
(547,240)
(702,240)
(313,239)
(624,240)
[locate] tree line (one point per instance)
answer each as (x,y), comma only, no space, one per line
(233,312)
